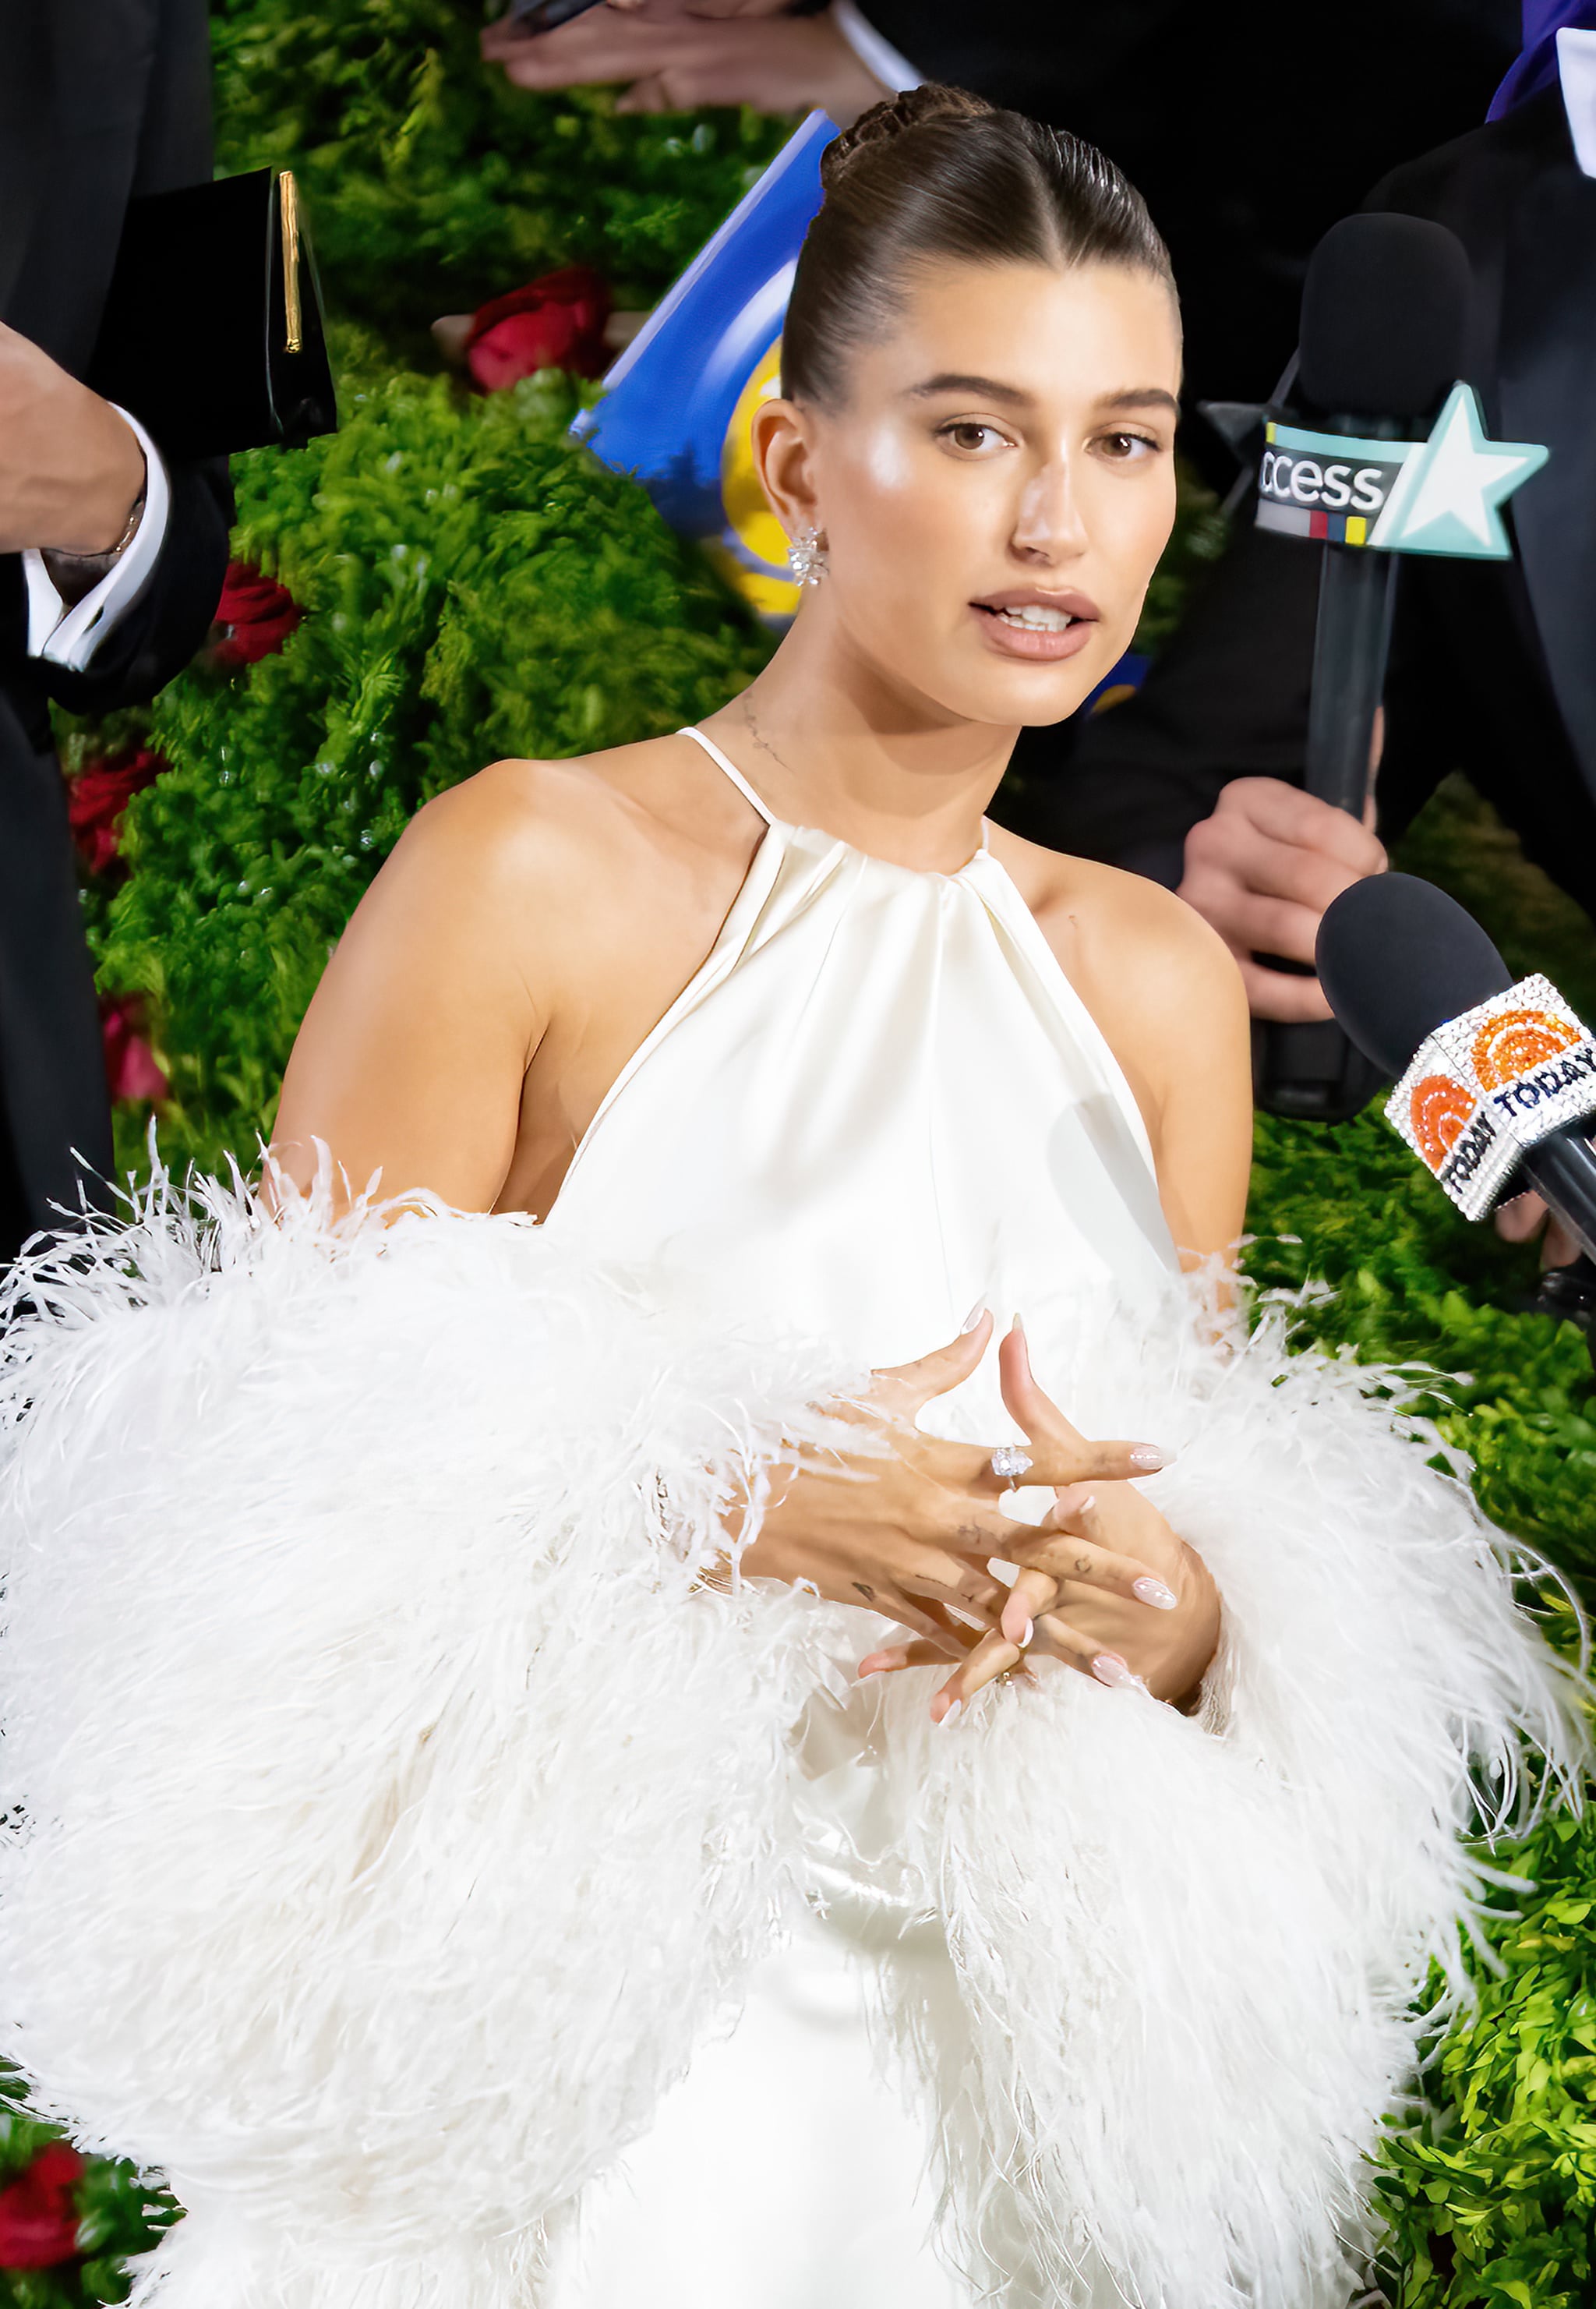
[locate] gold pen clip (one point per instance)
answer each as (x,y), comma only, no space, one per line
(288,199)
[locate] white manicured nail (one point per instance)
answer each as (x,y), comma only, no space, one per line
(973,1318)
(1025,1639)
(1147,1458)
(1111,1669)
(1155,1592)
(955,1709)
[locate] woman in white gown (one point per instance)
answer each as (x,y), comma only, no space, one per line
(496,1690)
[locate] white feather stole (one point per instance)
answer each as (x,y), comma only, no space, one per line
(391,1810)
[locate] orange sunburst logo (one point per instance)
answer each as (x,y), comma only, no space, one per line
(1437,1111)
(1517,1040)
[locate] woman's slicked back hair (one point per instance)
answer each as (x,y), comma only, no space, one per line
(937,175)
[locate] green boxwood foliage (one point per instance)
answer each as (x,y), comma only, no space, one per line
(431,184)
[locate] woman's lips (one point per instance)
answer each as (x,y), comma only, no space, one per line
(1035,643)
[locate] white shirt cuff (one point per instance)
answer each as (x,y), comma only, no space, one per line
(877,56)
(1576,70)
(69,637)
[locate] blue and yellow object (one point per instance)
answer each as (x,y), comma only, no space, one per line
(679,404)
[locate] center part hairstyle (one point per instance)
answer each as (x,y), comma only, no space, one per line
(937,175)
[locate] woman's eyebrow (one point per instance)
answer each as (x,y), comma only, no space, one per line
(985,388)
(1143,396)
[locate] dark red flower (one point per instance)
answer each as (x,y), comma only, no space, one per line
(131,1067)
(554,323)
(257,616)
(98,795)
(39,2211)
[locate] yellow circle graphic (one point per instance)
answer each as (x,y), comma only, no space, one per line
(749,520)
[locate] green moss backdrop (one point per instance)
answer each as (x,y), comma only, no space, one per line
(471,586)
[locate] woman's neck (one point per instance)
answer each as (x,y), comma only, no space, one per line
(828,742)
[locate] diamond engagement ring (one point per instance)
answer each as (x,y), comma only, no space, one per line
(1009,1462)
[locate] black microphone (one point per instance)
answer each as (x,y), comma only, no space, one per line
(1385,324)
(1384,321)
(1398,960)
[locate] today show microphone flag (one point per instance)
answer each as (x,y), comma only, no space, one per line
(1487,1085)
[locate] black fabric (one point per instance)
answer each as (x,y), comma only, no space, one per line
(1249,128)
(1493,669)
(98,99)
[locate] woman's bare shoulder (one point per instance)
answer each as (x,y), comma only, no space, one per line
(1151,970)
(519,817)
(1107,918)
(546,842)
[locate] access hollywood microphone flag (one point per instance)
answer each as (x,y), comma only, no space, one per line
(1440,495)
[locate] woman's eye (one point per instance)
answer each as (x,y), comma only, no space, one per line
(972,438)
(1128,447)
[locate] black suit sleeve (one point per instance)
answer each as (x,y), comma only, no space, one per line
(160,630)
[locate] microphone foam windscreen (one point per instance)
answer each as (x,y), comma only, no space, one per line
(1384,317)
(1397,959)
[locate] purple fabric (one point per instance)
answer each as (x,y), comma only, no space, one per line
(1537,67)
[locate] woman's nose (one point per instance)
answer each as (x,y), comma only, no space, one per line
(1048,526)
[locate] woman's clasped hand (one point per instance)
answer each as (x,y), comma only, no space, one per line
(908,1525)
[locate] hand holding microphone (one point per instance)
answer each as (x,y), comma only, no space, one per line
(1262,869)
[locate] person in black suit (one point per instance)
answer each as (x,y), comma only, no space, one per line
(1493,669)
(111,557)
(1248,129)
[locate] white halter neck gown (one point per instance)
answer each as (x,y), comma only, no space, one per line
(877,1104)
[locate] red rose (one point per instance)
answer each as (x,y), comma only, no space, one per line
(98,795)
(257,616)
(130,1064)
(554,323)
(39,2211)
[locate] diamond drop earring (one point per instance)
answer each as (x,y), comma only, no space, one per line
(806,558)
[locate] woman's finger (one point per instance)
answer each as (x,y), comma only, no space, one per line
(1055,1462)
(946,1638)
(892,1657)
(1055,1557)
(904,1388)
(1033,1593)
(994,1655)
(957,1576)
(949,1641)
(1056,1639)
(1070,1457)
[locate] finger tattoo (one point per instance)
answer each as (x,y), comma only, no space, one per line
(868,1593)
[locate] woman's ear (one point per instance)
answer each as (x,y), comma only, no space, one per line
(784,460)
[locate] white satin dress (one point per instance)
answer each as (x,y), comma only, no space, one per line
(878,1103)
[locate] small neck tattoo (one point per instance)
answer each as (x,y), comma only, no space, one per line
(761,741)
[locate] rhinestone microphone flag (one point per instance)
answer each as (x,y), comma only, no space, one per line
(1486,1087)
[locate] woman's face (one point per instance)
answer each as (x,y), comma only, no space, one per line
(998,486)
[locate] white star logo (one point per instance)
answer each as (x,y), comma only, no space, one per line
(1447,496)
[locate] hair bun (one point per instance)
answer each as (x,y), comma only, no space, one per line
(910,109)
